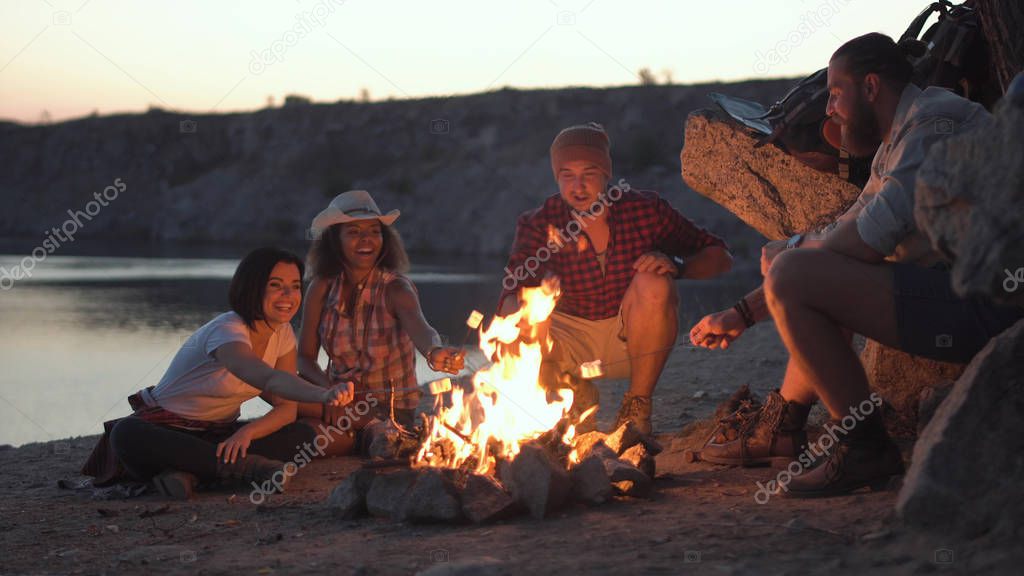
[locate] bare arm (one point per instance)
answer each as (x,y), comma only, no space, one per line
(240,360)
(283,413)
(846,240)
(309,334)
(404,303)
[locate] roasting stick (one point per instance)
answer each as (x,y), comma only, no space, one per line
(472,323)
(596,368)
(588,370)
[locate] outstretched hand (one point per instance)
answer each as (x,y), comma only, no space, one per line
(718,330)
(340,394)
(450,360)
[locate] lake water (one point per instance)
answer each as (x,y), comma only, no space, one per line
(86,331)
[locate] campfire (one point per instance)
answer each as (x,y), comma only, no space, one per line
(502,439)
(506,405)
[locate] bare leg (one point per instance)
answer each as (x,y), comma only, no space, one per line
(649,311)
(796,386)
(813,295)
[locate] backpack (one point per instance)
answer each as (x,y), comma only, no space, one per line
(952,54)
(798,125)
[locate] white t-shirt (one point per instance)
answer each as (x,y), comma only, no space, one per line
(199,387)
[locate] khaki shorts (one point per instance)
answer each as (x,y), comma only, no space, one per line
(578,340)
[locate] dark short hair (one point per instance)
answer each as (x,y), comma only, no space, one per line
(249,284)
(878,54)
(326,258)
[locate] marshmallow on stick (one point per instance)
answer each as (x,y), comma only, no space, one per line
(591,370)
(440,386)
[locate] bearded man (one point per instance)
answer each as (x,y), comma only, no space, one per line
(872,273)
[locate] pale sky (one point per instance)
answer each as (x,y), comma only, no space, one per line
(72,57)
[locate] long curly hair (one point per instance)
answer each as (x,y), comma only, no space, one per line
(326,259)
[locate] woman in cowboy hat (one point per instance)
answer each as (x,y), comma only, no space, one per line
(365,315)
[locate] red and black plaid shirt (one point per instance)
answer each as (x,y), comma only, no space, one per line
(639,222)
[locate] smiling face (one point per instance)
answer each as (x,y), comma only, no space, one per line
(283,293)
(361,243)
(581,182)
(850,105)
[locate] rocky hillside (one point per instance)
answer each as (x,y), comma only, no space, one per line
(459,168)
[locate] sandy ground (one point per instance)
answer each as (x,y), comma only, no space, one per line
(702,520)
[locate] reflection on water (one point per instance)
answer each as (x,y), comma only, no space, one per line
(84,332)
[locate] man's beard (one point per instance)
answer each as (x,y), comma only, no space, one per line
(860,130)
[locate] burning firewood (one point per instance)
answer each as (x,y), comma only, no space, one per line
(504,438)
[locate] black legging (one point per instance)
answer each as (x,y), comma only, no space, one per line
(146,449)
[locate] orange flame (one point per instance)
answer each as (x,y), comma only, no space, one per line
(507,405)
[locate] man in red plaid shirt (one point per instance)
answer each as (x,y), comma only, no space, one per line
(616,252)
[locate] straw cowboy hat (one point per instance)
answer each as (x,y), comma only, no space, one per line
(349,207)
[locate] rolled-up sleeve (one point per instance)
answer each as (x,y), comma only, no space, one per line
(524,268)
(888,218)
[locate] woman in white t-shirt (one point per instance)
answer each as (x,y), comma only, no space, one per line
(185,430)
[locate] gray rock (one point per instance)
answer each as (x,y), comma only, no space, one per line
(628,479)
(623,438)
(537,481)
(485,500)
(432,498)
(969,200)
(930,400)
(900,378)
(967,467)
(770,190)
(388,493)
(590,482)
(627,436)
(640,457)
(585,442)
(348,499)
(602,450)
(383,440)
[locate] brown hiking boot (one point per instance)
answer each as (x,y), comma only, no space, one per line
(855,461)
(772,434)
(635,409)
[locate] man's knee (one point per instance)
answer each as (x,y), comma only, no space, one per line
(785,278)
(654,289)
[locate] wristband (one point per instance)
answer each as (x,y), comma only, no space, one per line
(744,311)
(680,266)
